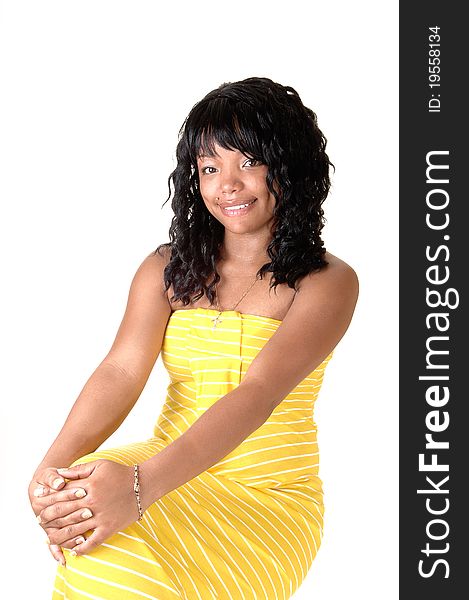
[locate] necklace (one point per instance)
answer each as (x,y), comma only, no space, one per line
(217,319)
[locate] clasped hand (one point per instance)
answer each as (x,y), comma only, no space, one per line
(98,496)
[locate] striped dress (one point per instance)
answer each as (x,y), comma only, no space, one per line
(249,527)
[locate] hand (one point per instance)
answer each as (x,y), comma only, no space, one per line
(44,483)
(61,509)
(109,496)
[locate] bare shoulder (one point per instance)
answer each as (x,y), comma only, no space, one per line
(140,335)
(316,321)
(150,273)
(337,279)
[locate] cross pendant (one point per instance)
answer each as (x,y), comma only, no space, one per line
(215,321)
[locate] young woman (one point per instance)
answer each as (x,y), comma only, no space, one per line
(246,307)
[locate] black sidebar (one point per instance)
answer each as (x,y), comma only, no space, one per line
(433,259)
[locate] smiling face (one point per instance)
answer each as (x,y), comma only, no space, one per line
(229,181)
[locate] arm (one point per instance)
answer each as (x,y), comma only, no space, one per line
(101,407)
(113,388)
(316,321)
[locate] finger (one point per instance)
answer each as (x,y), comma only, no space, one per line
(93,541)
(60,536)
(57,498)
(56,552)
(51,478)
(40,490)
(37,497)
(67,516)
(48,477)
(78,471)
(70,544)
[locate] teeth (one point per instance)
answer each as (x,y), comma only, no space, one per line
(238,206)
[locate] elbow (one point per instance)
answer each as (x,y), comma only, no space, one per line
(263,397)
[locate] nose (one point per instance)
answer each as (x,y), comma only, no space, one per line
(230,182)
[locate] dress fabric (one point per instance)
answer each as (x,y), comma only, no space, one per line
(250,526)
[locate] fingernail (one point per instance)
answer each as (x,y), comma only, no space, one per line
(62,471)
(86,514)
(47,540)
(39,520)
(73,553)
(39,491)
(80,493)
(79,540)
(57,482)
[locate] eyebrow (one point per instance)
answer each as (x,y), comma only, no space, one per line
(202,156)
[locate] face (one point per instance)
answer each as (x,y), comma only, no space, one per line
(231,180)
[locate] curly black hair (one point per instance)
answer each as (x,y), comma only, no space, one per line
(268,122)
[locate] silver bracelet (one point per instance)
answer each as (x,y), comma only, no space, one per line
(137,492)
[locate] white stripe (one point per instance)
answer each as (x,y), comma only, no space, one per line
(291,520)
(136,573)
(212,356)
(295,433)
(162,512)
(163,416)
(148,527)
(183,406)
(218,553)
(245,522)
(221,370)
(262,517)
(208,513)
(83,593)
(230,318)
(268,462)
(266,449)
(175,387)
(179,414)
(107,581)
(273,473)
(278,491)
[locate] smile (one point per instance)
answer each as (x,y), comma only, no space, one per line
(238,209)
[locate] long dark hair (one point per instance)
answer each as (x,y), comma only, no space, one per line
(270,123)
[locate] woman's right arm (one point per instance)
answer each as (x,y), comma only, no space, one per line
(116,384)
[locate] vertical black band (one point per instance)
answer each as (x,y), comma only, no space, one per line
(434,251)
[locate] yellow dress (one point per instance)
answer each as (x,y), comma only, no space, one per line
(249,527)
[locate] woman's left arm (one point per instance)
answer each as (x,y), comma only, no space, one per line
(316,321)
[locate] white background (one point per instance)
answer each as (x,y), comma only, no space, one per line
(92,98)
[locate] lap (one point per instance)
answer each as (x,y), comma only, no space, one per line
(128,454)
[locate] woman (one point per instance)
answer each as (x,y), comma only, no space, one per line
(224,501)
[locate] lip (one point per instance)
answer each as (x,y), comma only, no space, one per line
(225,208)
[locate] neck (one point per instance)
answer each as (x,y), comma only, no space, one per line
(245,251)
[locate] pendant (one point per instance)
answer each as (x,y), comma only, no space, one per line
(216,320)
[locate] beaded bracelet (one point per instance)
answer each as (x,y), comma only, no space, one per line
(137,492)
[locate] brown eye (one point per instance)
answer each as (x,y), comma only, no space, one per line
(252,160)
(204,169)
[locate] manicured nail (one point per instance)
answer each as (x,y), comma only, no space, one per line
(39,491)
(73,553)
(39,520)
(86,514)
(79,540)
(62,471)
(80,493)
(57,482)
